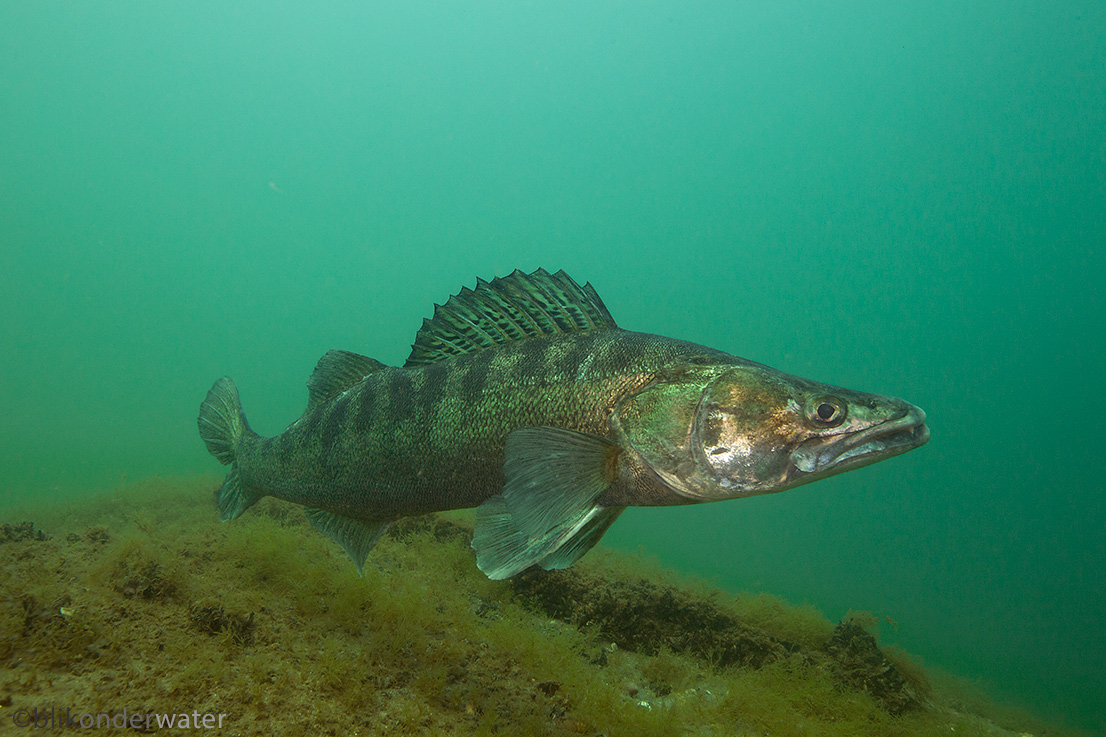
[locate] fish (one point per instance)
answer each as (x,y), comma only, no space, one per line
(522,398)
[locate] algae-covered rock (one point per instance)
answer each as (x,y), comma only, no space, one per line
(644,617)
(860,664)
(210,617)
(19,532)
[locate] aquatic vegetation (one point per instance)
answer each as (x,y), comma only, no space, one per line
(142,599)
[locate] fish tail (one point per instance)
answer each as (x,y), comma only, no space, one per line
(223,426)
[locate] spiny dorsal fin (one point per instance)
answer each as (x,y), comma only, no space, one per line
(508,308)
(335,372)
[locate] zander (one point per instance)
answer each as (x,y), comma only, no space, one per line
(523,398)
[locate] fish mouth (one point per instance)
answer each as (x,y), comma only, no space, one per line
(832,455)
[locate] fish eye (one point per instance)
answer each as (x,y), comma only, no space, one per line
(826,411)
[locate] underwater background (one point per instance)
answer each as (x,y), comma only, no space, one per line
(906,198)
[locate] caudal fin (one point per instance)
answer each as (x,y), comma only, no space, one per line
(222,427)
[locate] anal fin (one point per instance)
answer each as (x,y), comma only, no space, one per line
(356,536)
(234,498)
(547,513)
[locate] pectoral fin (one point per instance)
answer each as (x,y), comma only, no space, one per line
(547,513)
(356,536)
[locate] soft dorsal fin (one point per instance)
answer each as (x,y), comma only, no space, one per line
(335,372)
(508,308)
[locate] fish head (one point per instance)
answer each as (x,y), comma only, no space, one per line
(725,432)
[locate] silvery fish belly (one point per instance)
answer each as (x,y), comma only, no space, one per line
(523,398)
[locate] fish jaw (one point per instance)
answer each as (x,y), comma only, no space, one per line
(820,457)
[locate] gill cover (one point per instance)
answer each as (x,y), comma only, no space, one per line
(718,432)
(659,425)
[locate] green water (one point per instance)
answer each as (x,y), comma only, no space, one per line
(906,198)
